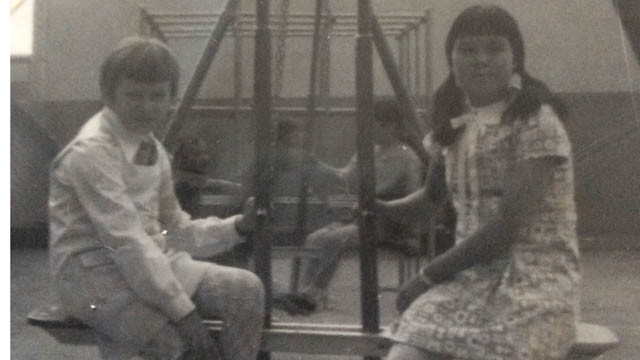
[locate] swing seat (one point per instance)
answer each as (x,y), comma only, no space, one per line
(54,317)
(349,340)
(591,341)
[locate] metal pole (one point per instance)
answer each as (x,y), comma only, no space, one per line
(410,69)
(301,210)
(366,171)
(147,22)
(237,79)
(400,53)
(264,145)
(237,63)
(199,75)
(325,70)
(411,118)
(407,59)
(416,61)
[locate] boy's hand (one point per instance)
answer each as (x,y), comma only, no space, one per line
(199,344)
(247,222)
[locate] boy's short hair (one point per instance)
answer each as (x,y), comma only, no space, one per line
(388,112)
(139,59)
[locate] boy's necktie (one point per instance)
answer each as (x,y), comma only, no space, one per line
(147,153)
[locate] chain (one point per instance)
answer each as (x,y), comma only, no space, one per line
(236,29)
(281,42)
(325,56)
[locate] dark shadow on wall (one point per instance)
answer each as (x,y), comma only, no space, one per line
(31,153)
(605,134)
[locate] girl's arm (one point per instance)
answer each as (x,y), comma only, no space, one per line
(524,193)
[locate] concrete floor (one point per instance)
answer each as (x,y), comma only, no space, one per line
(611,289)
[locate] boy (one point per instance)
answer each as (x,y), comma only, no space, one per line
(120,241)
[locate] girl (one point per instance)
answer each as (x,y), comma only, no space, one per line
(508,289)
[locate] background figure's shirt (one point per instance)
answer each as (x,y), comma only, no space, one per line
(398,172)
(101,204)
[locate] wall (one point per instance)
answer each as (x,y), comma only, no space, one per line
(74,37)
(31,153)
(574,45)
(564,40)
(606,144)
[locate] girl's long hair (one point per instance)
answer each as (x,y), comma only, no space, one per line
(449,102)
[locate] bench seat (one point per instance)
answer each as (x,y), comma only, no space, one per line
(348,340)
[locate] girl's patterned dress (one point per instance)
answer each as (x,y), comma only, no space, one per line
(525,304)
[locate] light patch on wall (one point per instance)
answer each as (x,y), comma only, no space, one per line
(22,27)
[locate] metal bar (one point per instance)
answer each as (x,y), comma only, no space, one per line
(366,171)
(290,28)
(246,35)
(325,71)
(176,123)
(238,65)
(332,339)
(301,213)
(416,62)
(223,110)
(212,21)
(310,15)
(411,118)
(406,76)
(313,76)
(409,59)
(153,26)
(263,147)
(401,63)
(249,23)
(318,339)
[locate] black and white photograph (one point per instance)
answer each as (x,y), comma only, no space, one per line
(323,179)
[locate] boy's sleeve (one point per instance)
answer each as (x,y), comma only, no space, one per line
(200,237)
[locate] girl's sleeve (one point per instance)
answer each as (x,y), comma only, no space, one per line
(543,136)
